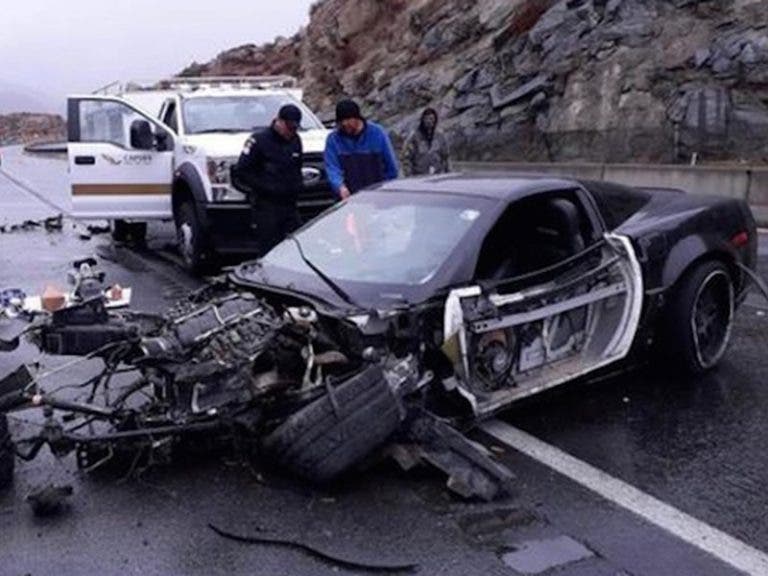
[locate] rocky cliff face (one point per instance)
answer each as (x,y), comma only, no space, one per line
(26,128)
(600,80)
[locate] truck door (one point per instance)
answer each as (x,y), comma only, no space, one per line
(120,161)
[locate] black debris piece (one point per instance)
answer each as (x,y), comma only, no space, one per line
(50,224)
(323,557)
(49,500)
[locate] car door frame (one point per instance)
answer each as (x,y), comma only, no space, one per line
(458,325)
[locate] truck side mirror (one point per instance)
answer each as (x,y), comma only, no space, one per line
(141,135)
(163,140)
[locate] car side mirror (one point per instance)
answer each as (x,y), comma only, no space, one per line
(142,137)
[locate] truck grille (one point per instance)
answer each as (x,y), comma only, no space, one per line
(316,197)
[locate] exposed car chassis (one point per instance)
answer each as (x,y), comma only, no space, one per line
(225,364)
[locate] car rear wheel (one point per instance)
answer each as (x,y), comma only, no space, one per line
(190,238)
(332,434)
(700,318)
(7,455)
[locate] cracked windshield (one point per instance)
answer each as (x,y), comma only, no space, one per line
(382,237)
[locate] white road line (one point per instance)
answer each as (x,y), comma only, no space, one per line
(695,532)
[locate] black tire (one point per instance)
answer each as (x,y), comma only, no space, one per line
(330,436)
(7,455)
(190,238)
(133,232)
(699,318)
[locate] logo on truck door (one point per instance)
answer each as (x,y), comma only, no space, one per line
(129,160)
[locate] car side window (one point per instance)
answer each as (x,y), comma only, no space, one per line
(534,233)
(107,121)
(170,118)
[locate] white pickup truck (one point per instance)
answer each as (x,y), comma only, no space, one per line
(164,152)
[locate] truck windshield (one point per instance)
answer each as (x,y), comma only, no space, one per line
(239,113)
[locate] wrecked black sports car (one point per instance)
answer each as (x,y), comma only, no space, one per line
(399,319)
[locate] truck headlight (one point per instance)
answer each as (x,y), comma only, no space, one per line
(227,194)
(220,179)
(218,171)
(311,175)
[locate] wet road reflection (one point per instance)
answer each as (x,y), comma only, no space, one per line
(698,444)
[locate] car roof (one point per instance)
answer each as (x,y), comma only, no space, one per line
(497,185)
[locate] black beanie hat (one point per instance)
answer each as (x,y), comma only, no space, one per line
(347,109)
(290,113)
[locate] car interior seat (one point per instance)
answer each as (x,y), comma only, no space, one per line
(533,236)
(540,235)
(558,230)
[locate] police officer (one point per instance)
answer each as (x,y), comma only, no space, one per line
(269,170)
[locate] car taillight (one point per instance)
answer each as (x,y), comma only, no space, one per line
(740,240)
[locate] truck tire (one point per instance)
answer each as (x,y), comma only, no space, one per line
(329,436)
(7,455)
(134,232)
(190,238)
(699,318)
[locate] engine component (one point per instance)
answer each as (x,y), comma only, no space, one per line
(83,340)
(233,327)
(87,281)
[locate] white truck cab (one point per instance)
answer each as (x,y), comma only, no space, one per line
(165,151)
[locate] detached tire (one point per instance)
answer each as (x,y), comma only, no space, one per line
(190,238)
(699,318)
(329,436)
(7,455)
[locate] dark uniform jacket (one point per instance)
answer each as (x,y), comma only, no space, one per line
(269,168)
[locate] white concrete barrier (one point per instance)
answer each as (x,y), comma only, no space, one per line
(747,182)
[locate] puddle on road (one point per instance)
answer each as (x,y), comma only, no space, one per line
(537,556)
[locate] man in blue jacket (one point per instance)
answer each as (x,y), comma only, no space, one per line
(358,153)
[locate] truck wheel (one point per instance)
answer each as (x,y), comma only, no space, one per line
(135,232)
(7,455)
(699,318)
(189,235)
(335,432)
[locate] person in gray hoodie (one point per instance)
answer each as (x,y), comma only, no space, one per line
(426,149)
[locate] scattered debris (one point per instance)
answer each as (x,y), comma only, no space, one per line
(50,224)
(11,297)
(471,468)
(324,557)
(53,299)
(49,500)
(98,229)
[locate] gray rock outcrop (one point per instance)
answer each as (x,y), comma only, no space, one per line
(590,80)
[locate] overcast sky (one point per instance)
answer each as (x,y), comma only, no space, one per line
(49,48)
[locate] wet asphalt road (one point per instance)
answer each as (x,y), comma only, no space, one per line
(697,445)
